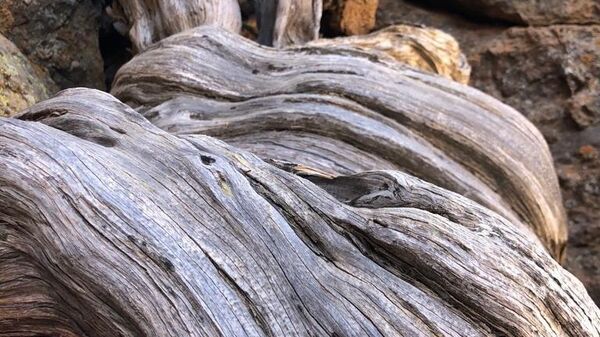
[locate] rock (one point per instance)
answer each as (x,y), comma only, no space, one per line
(21,83)
(60,35)
(427,49)
(588,152)
(349,17)
(531,12)
(551,75)
(548,73)
(580,181)
(467,33)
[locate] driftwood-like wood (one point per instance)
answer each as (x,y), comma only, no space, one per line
(342,112)
(111,227)
(427,49)
(149,20)
(288,22)
(349,17)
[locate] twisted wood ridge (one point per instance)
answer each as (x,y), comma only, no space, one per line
(344,111)
(149,20)
(110,226)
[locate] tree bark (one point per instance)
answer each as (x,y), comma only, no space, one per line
(150,20)
(345,111)
(111,227)
(288,22)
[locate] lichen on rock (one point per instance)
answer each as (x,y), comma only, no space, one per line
(58,35)
(22,84)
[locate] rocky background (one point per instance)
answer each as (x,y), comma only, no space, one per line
(541,57)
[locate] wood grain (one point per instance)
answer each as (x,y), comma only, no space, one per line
(345,111)
(138,232)
(288,22)
(427,49)
(149,21)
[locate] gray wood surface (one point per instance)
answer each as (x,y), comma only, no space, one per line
(110,226)
(288,22)
(343,111)
(149,21)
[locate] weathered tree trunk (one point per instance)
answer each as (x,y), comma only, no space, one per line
(343,111)
(152,20)
(111,227)
(288,22)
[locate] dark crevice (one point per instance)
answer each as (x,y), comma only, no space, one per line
(207,160)
(115,48)
(473,15)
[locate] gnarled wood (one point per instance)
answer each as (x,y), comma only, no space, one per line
(345,112)
(151,20)
(288,22)
(141,233)
(427,49)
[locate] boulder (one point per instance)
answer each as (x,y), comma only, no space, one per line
(21,83)
(530,12)
(59,35)
(349,17)
(551,74)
